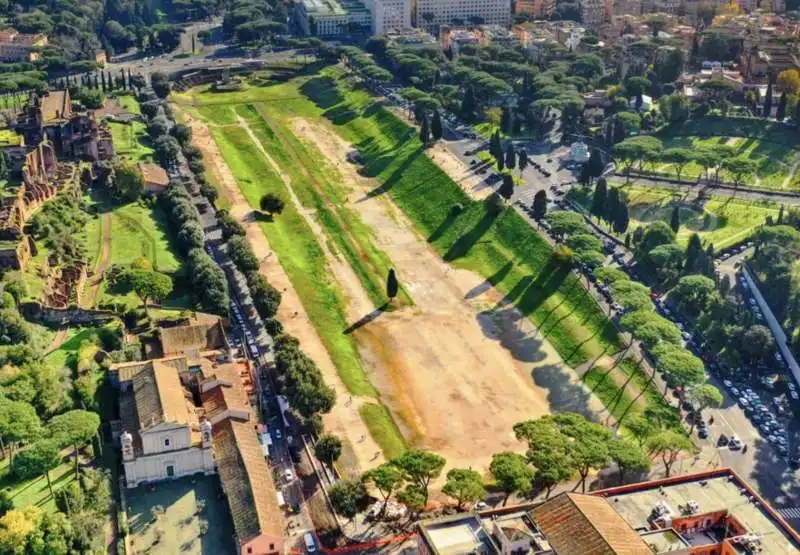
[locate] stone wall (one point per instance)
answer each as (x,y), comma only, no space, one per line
(61,316)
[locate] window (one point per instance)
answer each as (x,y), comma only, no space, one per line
(249,549)
(166,442)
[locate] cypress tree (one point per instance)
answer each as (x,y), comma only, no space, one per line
(468,104)
(781,114)
(103,81)
(612,205)
(595,163)
(436,126)
(621,221)
(392,286)
(539,206)
(599,198)
(675,220)
(511,159)
(768,99)
(693,251)
(424,131)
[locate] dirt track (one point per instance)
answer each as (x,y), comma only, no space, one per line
(344,420)
(456,376)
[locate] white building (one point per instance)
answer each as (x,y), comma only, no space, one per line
(162,436)
(434,13)
(595,12)
(388,15)
(327,18)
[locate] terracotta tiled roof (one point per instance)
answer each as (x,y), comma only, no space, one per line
(193,338)
(246,480)
(578,523)
(158,394)
(223,397)
(154,175)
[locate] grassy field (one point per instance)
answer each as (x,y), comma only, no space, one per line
(35,491)
(132,141)
(771,148)
(129,103)
(721,221)
(137,231)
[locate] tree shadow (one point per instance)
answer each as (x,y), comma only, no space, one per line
(396,175)
(564,395)
(463,244)
(490,282)
(504,325)
(444,226)
(322,91)
(366,319)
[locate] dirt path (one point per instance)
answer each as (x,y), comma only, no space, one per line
(102,264)
(459,172)
(344,420)
(456,376)
(58,340)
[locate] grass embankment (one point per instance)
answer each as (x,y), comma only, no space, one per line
(627,391)
(34,492)
(502,247)
(383,429)
(300,254)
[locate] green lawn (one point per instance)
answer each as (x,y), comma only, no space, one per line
(129,103)
(722,221)
(35,491)
(137,231)
(132,141)
(772,148)
(383,429)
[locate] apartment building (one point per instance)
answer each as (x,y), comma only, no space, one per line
(327,18)
(389,15)
(431,14)
(19,47)
(595,12)
(538,9)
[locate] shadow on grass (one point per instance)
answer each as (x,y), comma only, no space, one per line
(466,241)
(367,318)
(490,282)
(322,91)
(396,175)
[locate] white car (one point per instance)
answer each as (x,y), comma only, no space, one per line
(288,475)
(727,383)
(735,443)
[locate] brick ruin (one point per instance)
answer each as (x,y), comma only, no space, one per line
(42,155)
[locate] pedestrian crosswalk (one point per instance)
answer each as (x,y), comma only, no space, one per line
(790,512)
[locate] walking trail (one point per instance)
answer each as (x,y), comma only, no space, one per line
(102,263)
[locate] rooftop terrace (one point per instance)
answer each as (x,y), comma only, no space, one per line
(333,7)
(712,494)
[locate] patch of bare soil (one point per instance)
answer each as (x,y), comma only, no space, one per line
(459,172)
(456,376)
(344,420)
